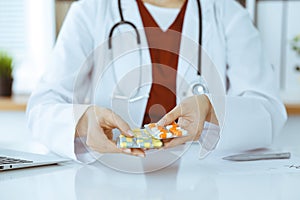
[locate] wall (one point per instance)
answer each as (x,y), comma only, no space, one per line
(278,22)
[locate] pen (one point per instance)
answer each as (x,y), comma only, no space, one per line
(258,156)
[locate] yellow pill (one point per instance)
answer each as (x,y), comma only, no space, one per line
(157,144)
(129,139)
(147,133)
(139,141)
(147,145)
(123,144)
(136,130)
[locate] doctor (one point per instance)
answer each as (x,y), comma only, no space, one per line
(64,110)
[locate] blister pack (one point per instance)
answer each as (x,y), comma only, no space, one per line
(141,139)
(151,136)
(167,132)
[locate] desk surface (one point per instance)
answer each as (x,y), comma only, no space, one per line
(188,178)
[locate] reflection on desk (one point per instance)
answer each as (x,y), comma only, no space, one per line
(187,178)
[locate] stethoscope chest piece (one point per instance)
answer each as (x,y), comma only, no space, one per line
(199,87)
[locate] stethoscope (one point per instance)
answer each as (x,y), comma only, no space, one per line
(198,87)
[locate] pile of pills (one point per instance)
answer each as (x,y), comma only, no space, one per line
(141,139)
(151,136)
(170,131)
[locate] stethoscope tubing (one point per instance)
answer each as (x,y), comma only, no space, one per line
(123,21)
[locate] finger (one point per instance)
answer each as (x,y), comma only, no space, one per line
(170,117)
(183,123)
(115,121)
(108,134)
(105,147)
(199,132)
(134,152)
(167,140)
(138,152)
(175,142)
(126,151)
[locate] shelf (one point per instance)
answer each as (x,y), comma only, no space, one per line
(18,103)
(14,103)
(293,109)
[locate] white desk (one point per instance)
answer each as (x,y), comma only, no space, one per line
(189,178)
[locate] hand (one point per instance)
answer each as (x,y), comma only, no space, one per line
(191,114)
(97,124)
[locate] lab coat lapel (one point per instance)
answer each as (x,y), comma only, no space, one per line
(137,108)
(187,64)
(189,48)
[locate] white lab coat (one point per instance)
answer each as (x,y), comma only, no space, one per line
(254,112)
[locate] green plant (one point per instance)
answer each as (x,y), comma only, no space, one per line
(296,44)
(5,65)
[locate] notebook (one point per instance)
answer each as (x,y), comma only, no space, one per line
(11,159)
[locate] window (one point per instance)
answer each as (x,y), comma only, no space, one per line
(27,32)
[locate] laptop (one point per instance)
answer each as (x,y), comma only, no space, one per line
(10,159)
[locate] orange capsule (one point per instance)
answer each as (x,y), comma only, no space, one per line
(163,131)
(176,132)
(179,133)
(163,135)
(173,129)
(174,125)
(152,125)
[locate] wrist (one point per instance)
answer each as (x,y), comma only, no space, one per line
(82,125)
(210,112)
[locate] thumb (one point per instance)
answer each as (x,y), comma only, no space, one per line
(115,121)
(170,117)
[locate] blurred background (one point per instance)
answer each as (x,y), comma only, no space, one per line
(28,30)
